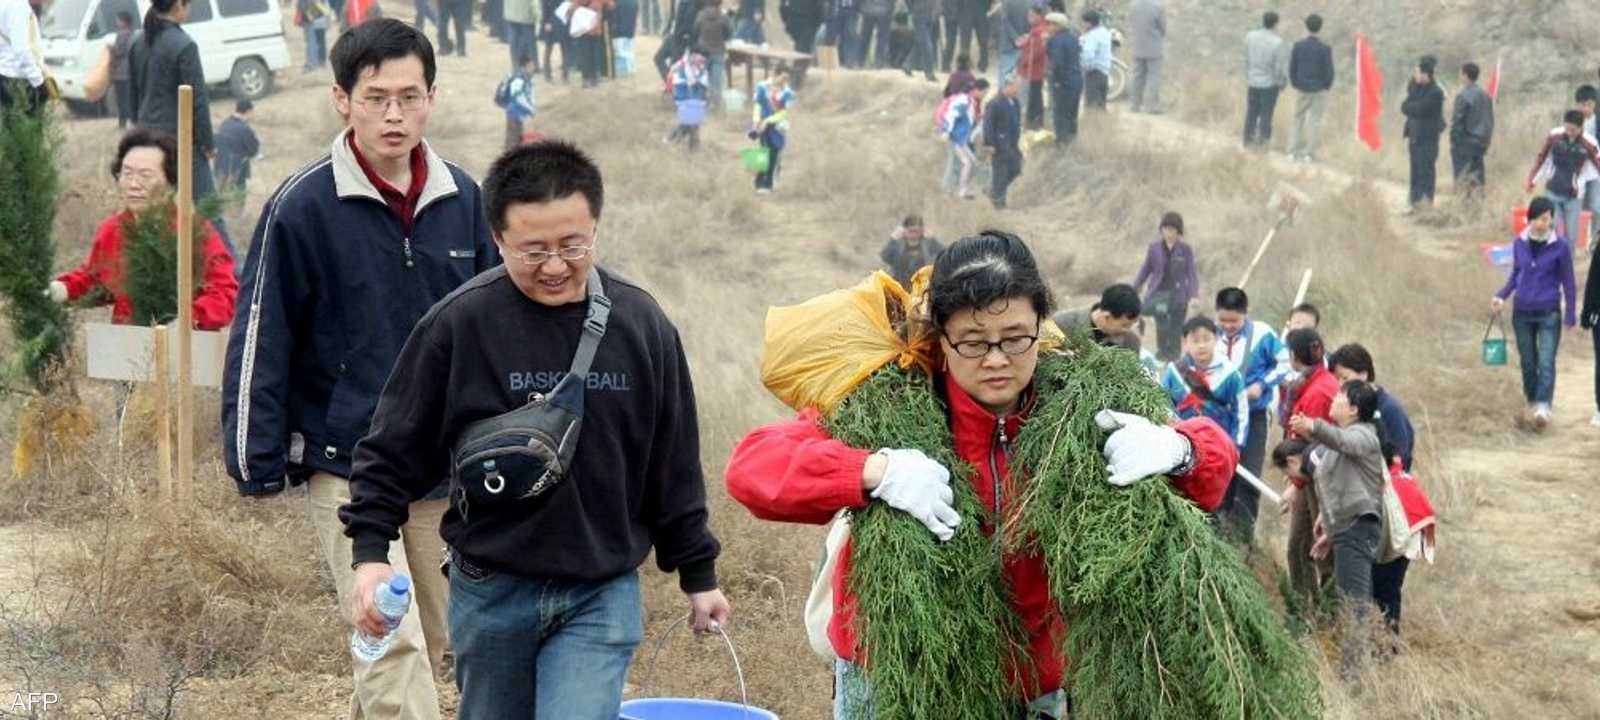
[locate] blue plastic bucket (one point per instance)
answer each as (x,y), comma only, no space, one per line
(691,112)
(690,709)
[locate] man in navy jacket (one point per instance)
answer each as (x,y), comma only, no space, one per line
(349,253)
(1002,129)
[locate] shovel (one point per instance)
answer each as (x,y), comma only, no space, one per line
(1285,200)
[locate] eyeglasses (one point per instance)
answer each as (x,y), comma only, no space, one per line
(378,104)
(974,349)
(535,258)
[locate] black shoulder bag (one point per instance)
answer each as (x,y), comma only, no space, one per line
(522,454)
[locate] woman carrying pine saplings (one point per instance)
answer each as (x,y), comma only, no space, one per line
(127,265)
(1020,530)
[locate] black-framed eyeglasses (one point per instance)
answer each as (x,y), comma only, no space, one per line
(975,349)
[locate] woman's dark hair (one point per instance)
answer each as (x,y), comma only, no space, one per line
(963,62)
(1363,396)
(539,173)
(1306,346)
(1539,206)
(146,137)
(1355,358)
(374,43)
(153,21)
(979,271)
(1172,220)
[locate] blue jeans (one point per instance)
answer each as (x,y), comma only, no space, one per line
(1567,211)
(316,45)
(716,63)
(852,697)
(530,648)
(1538,337)
(1008,65)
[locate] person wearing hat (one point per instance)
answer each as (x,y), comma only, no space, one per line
(1066,76)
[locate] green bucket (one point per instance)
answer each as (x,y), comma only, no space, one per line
(1494,348)
(756,158)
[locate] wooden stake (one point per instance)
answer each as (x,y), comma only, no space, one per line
(185,479)
(163,381)
(1305,284)
(1260,251)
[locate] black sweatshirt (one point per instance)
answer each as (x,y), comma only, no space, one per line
(636,480)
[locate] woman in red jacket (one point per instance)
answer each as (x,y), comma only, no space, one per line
(987,300)
(146,170)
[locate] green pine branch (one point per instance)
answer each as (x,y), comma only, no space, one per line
(28,188)
(150,257)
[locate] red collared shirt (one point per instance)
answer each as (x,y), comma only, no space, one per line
(403,204)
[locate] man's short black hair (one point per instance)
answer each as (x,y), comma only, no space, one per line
(540,172)
(1234,299)
(147,137)
(1199,322)
(1573,117)
(1092,17)
(1471,71)
(375,42)
(1269,20)
(1313,23)
(1308,309)
(982,84)
(1121,301)
(243,106)
(1172,219)
(1587,93)
(911,221)
(1426,64)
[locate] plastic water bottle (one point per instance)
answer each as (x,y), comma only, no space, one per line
(393,598)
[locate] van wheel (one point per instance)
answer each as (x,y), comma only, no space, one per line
(250,80)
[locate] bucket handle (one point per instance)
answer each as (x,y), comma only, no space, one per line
(738,669)
(1490,327)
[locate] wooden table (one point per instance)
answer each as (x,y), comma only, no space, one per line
(739,52)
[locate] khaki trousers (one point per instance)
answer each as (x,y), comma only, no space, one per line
(1308,109)
(400,684)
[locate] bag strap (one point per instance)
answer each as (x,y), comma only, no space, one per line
(1490,327)
(594,327)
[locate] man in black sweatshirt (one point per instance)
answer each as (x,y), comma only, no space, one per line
(544,596)
(1424,111)
(1311,75)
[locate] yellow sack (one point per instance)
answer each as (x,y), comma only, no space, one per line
(817,352)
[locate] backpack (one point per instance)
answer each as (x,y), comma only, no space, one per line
(502,92)
(943,111)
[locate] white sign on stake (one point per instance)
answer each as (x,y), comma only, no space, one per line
(124,352)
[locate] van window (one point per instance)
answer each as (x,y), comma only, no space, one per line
(235,8)
(199,11)
(62,19)
(105,17)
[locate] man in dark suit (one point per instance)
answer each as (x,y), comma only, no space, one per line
(1002,128)
(1424,111)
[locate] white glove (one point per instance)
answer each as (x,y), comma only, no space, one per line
(57,292)
(1139,448)
(916,485)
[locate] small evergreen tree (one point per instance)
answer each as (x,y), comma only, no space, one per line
(28,187)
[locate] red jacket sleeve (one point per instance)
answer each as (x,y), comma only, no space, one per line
(103,257)
(793,472)
(1215,459)
(213,301)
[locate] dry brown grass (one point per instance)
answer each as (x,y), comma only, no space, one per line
(231,596)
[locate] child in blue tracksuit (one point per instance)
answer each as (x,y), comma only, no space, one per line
(517,100)
(770,121)
(1203,383)
(1262,360)
(687,81)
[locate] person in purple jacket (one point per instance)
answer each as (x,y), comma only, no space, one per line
(1540,276)
(1173,284)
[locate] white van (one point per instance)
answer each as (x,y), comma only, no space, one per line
(241,42)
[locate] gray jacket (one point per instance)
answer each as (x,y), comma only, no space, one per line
(1349,473)
(1011,23)
(522,12)
(1147,29)
(1266,65)
(1472,118)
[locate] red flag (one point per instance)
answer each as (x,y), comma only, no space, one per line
(1369,95)
(357,11)
(1493,86)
